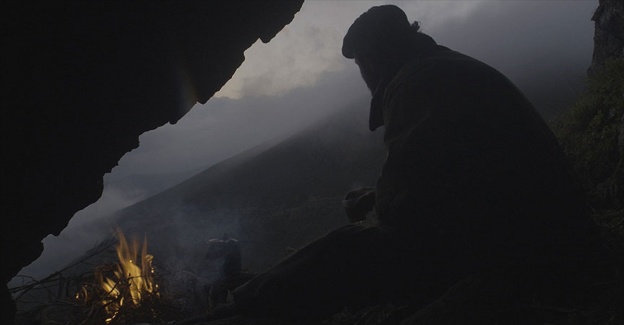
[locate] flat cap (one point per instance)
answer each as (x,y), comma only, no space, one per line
(374,26)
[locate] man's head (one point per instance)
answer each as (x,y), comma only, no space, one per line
(380,40)
(374,30)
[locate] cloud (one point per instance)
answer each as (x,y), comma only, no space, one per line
(525,38)
(436,14)
(518,37)
(310,45)
(545,47)
(296,57)
(224,127)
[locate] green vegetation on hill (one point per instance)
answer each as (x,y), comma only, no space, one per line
(592,135)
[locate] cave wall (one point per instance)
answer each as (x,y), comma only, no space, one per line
(83,80)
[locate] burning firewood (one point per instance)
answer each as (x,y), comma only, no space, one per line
(125,291)
(124,286)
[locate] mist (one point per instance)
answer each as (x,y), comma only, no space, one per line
(207,135)
(300,77)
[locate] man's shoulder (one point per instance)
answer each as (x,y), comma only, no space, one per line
(440,60)
(439,65)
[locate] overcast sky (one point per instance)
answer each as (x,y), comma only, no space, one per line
(526,40)
(301,76)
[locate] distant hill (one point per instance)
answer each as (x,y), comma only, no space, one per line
(273,198)
(149,184)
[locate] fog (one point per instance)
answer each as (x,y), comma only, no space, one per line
(300,77)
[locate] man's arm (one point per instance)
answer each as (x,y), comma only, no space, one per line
(408,128)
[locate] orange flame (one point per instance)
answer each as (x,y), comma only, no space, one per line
(130,280)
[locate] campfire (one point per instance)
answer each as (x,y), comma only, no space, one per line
(124,286)
(123,290)
(132,280)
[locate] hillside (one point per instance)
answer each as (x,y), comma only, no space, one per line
(272,198)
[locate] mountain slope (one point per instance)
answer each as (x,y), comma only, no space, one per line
(272,198)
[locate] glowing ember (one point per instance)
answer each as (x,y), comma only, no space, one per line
(132,279)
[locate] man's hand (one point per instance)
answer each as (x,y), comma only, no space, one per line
(359,202)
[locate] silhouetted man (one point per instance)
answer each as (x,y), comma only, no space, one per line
(474,185)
